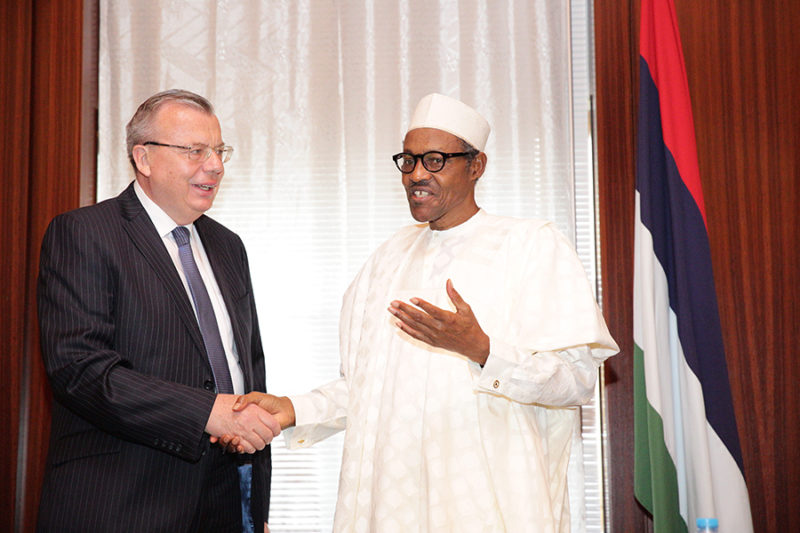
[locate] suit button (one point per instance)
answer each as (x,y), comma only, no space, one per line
(208,385)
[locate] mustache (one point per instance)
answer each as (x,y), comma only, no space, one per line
(420,183)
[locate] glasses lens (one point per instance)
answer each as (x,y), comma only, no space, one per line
(224,153)
(197,153)
(433,161)
(405,162)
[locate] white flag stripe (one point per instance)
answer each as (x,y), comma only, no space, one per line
(708,477)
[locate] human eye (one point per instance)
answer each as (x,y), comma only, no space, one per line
(435,159)
(196,152)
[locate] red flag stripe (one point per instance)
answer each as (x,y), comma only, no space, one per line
(662,51)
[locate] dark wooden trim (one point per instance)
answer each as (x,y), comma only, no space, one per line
(15,86)
(616,56)
(41,103)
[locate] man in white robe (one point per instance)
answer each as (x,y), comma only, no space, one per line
(458,406)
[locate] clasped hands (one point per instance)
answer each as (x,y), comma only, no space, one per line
(253,426)
(457,331)
(279,411)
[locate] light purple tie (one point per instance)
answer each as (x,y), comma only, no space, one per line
(205,312)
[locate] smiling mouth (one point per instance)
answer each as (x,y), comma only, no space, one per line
(421,194)
(206,187)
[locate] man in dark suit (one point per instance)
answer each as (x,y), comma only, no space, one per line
(148,334)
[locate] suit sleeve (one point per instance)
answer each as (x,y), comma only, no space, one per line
(77,289)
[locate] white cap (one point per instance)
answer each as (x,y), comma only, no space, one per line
(450,115)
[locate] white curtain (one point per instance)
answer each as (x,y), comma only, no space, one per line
(315,97)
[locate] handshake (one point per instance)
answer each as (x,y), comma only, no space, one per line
(246,424)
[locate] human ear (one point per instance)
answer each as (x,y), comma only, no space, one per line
(478,166)
(141,158)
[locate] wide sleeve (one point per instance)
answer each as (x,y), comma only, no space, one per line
(318,414)
(77,302)
(323,411)
(553,336)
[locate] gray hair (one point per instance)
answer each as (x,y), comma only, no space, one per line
(140,126)
(467,147)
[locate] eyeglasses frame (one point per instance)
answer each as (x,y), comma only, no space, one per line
(227,151)
(421,157)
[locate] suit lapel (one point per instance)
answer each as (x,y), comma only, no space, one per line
(145,238)
(227,270)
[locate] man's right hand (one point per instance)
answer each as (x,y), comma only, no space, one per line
(279,406)
(253,426)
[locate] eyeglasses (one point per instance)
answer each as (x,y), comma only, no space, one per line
(199,152)
(433,161)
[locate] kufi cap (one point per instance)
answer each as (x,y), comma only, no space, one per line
(450,115)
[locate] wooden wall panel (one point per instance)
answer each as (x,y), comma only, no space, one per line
(55,187)
(15,68)
(41,107)
(743,65)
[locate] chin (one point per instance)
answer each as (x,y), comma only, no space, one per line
(420,217)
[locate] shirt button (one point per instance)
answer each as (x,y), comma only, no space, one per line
(496,384)
(208,385)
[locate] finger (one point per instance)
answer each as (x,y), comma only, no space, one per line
(239,404)
(455,297)
(415,333)
(258,436)
(263,421)
(213,439)
(271,422)
(410,313)
(415,320)
(245,400)
(435,312)
(245,446)
(235,446)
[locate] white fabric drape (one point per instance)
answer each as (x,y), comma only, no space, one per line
(315,97)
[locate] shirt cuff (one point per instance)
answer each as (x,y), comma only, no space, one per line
(298,436)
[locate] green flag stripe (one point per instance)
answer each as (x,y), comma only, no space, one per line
(655,479)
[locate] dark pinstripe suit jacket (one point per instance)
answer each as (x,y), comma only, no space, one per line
(131,381)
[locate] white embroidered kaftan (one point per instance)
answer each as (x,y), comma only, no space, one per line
(435,443)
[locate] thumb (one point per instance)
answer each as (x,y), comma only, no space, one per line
(455,297)
(239,404)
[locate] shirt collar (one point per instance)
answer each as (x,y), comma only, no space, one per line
(460,229)
(161,220)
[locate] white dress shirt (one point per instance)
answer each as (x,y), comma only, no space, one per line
(164,226)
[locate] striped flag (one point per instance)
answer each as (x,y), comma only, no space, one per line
(688,463)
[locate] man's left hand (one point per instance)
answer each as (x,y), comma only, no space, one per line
(458,332)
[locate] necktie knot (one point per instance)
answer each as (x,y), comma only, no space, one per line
(181,235)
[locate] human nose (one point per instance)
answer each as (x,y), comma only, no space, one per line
(213,162)
(420,172)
